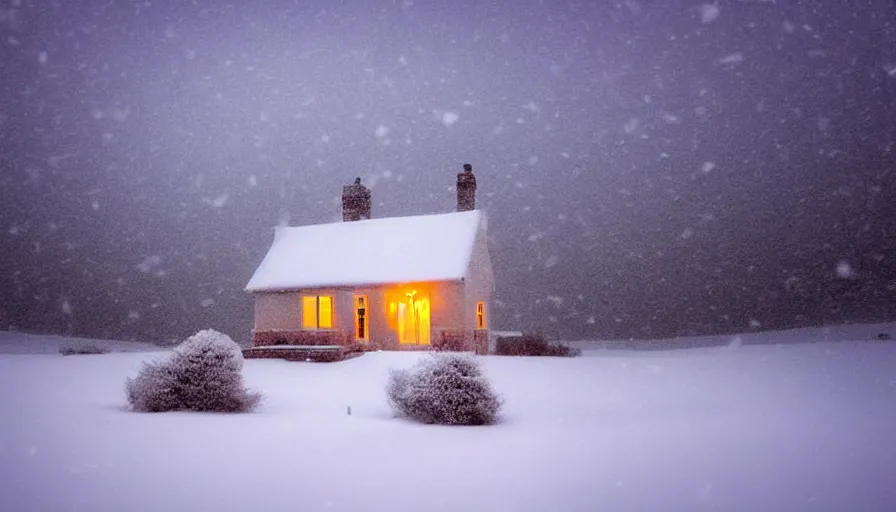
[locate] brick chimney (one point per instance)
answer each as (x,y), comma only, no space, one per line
(466,189)
(355,201)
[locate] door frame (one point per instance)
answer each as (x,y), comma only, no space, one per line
(361,314)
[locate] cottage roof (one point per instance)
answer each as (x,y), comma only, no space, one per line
(367,252)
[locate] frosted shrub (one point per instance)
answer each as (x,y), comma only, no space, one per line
(532,345)
(154,389)
(203,374)
(446,389)
(83,350)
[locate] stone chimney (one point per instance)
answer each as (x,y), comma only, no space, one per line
(466,189)
(355,201)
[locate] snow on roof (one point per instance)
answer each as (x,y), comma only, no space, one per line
(375,251)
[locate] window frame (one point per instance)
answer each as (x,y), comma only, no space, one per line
(356,299)
(481,319)
(315,302)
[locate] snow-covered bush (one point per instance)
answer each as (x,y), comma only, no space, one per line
(532,345)
(82,350)
(154,389)
(203,374)
(446,389)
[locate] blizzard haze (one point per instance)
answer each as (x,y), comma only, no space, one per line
(648,168)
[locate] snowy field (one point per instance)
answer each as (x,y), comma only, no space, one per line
(786,424)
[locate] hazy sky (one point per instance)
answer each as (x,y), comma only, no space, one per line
(648,168)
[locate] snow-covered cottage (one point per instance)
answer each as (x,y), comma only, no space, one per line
(364,283)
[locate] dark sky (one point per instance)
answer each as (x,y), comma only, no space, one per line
(648,168)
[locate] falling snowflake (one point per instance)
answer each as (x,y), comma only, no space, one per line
(670,118)
(709,13)
(216,202)
(845,271)
(149,263)
(531,107)
(733,58)
(449,118)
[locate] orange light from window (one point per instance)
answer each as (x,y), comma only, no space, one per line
(325,312)
(309,312)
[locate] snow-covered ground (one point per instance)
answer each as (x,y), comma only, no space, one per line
(794,426)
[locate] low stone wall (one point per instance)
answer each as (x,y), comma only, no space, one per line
(457,340)
(296,354)
(273,338)
(451,340)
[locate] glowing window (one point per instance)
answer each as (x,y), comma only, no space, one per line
(325,312)
(317,312)
(480,315)
(309,312)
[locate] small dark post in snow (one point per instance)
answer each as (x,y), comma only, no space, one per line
(466,189)
(348,410)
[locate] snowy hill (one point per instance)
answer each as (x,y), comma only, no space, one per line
(850,332)
(12,342)
(792,426)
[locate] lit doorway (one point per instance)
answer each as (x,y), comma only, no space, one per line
(413,319)
(362,322)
